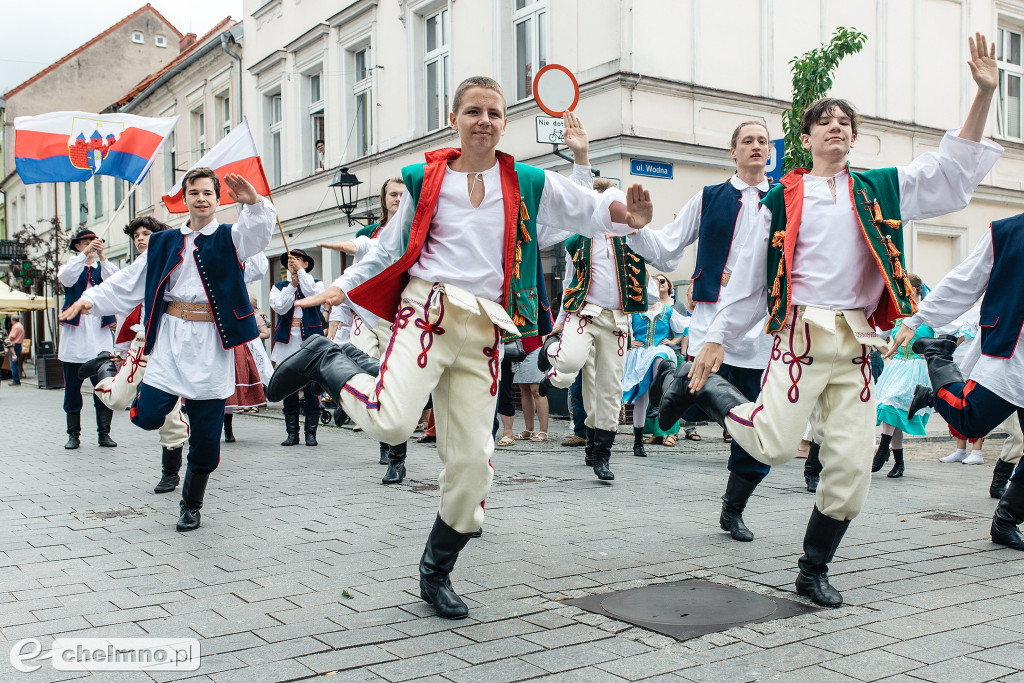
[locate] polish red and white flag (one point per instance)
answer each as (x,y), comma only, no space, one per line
(236,153)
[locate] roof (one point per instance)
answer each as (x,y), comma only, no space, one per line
(147,7)
(224,24)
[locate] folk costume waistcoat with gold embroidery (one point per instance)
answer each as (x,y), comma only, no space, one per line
(876,197)
(630,272)
(521,187)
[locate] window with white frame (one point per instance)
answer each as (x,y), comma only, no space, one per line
(160,41)
(223,115)
(362,100)
(1011,73)
(138,38)
(530,35)
(275,127)
(315,118)
(170,160)
(437,73)
(198,118)
(97,194)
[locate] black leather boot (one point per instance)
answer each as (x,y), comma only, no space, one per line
(192,493)
(588,450)
(675,396)
(291,427)
(661,380)
(171,464)
(103,417)
(439,556)
(309,429)
(74,431)
(717,397)
(1000,475)
(638,442)
(1009,514)
(942,370)
(543,360)
(396,464)
(318,360)
(821,540)
(737,493)
(366,362)
(881,453)
(603,441)
(229,424)
(544,386)
(92,368)
(812,468)
(897,468)
(385,449)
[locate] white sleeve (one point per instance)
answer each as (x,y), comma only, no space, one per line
(386,249)
(308,285)
(567,209)
(958,291)
(582,176)
(256,267)
(107,269)
(744,299)
(122,292)
(678,323)
(664,248)
(937,183)
(282,300)
(363,246)
(255,226)
(72,270)
(566,279)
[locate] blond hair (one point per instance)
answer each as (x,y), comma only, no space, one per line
(602,184)
(477,82)
(736,133)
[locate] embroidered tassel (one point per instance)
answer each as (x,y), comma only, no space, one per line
(523,213)
(524,234)
(634,257)
(635,269)
(519,259)
(779,239)
(518,319)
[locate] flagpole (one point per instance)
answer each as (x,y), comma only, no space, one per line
(114,215)
(280,228)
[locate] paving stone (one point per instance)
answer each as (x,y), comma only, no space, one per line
(871,666)
(934,648)
(416,667)
(962,670)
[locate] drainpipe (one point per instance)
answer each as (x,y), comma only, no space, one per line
(238,59)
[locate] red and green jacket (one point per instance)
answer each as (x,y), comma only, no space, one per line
(630,274)
(370,230)
(522,187)
(876,196)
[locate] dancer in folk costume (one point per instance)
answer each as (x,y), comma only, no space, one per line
(294,327)
(82,339)
(371,336)
(823,311)
(656,335)
(995,390)
(724,218)
(196,310)
(456,271)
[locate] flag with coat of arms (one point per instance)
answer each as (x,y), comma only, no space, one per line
(71,146)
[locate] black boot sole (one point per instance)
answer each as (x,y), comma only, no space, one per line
(923,398)
(166,488)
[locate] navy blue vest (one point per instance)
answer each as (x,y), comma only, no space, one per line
(74,293)
(222,276)
(720,209)
(1002,310)
(312,321)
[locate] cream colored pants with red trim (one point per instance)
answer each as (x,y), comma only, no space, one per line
(444,341)
(809,363)
(371,340)
(1014,443)
(603,335)
(118,392)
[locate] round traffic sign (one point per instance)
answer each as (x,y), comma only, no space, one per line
(556,90)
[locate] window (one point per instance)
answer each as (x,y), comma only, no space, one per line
(315,111)
(170,161)
(67,206)
(275,117)
(118,192)
(160,41)
(530,30)
(1011,72)
(437,72)
(223,116)
(39,203)
(198,134)
(137,37)
(97,195)
(83,205)
(362,94)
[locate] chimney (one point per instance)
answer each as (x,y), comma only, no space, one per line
(187,41)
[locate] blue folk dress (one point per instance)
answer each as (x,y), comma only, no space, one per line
(896,387)
(639,369)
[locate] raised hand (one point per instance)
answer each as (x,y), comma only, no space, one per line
(347,247)
(332,295)
(982,63)
(576,138)
(240,189)
(900,339)
(81,306)
(639,208)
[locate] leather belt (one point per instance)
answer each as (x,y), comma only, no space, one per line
(725,278)
(196,313)
(297,322)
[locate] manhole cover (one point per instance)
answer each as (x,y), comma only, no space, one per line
(945,517)
(690,608)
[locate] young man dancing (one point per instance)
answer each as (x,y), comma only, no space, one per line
(196,310)
(455,269)
(724,218)
(828,258)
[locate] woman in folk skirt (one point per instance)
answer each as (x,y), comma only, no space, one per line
(252,372)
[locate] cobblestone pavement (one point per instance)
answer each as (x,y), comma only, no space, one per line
(305,565)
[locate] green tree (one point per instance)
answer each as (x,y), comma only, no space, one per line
(812,78)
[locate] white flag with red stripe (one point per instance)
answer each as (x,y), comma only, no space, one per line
(236,153)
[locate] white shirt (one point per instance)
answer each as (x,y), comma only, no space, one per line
(88,339)
(188,359)
(956,293)
(934,184)
(283,300)
(465,246)
(664,249)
